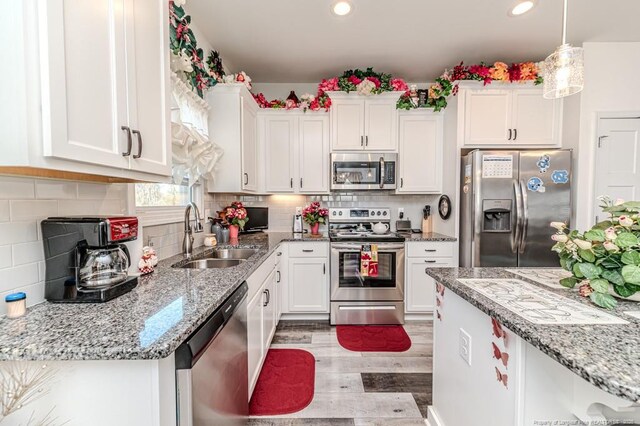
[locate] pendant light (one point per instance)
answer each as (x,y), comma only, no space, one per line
(564,68)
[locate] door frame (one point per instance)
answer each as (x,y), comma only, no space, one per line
(609,115)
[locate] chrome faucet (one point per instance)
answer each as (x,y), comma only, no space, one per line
(187,242)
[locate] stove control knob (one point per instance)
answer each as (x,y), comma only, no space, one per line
(333,213)
(340,213)
(378,213)
(372,213)
(384,213)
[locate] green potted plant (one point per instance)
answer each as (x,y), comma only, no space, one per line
(605,260)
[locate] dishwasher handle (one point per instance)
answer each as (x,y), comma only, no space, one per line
(191,349)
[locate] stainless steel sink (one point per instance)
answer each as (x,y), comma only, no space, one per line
(212,263)
(239,253)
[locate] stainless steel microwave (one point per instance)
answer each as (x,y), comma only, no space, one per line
(357,171)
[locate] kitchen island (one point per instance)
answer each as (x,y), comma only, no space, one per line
(122,351)
(513,351)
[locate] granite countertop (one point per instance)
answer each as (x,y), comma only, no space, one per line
(430,236)
(607,356)
(149,322)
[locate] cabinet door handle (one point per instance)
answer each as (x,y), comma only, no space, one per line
(430,261)
(277,276)
(510,134)
(266,300)
(139,137)
(246,178)
(361,140)
(307,250)
(515,134)
(366,141)
(430,250)
(300,182)
(129,141)
(268,296)
(291,182)
(401,182)
(324,269)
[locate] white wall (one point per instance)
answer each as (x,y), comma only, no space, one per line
(24,202)
(610,86)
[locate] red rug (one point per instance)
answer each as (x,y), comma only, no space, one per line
(373,338)
(285,384)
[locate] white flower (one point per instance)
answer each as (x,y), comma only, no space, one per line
(307,97)
(179,2)
(229,78)
(584,245)
(366,87)
(181,62)
(558,225)
(618,202)
(610,233)
(561,238)
(610,246)
(625,221)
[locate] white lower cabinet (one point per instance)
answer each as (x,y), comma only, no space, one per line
(255,348)
(420,287)
(308,285)
(269,313)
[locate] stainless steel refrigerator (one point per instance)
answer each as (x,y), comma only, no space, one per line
(508,199)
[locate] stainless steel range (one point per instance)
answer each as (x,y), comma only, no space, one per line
(358,299)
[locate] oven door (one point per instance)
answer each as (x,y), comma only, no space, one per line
(348,284)
(363,171)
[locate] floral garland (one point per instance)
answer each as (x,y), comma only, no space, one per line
(446,85)
(367,82)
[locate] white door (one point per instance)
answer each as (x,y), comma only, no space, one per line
(420,162)
(380,125)
(487,117)
(313,142)
(535,120)
(279,145)
(347,124)
(269,320)
(255,346)
(617,164)
(420,288)
(249,147)
(308,285)
(84,88)
(148,70)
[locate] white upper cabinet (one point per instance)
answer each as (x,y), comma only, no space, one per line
(104,68)
(279,144)
(296,151)
(364,123)
(420,154)
(313,142)
(233,126)
(512,115)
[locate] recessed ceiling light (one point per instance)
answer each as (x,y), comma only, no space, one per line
(522,7)
(341,8)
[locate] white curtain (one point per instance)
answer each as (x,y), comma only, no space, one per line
(194,154)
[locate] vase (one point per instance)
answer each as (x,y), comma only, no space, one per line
(233,232)
(314,228)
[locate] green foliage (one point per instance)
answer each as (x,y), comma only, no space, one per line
(603,300)
(594,235)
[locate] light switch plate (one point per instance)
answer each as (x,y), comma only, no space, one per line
(464,346)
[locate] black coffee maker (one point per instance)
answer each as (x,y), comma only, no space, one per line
(85,258)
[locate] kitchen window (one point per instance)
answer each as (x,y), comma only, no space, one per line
(161,203)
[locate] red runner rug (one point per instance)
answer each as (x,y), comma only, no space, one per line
(285,384)
(373,338)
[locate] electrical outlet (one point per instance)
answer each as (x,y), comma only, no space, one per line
(401,212)
(464,346)
(299,210)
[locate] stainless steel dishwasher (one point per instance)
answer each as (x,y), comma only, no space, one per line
(211,368)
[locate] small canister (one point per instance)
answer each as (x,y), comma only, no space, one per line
(210,240)
(16,304)
(224,235)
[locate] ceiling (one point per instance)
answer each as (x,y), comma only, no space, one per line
(295,41)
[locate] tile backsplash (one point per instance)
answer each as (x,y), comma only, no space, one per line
(283,207)
(24,202)
(167,239)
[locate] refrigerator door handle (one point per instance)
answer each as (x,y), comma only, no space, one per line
(525,218)
(515,242)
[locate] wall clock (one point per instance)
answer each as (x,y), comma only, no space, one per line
(444,207)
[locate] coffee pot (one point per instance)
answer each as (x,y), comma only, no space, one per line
(103,266)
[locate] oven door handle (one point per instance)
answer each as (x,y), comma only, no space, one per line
(382,177)
(357,246)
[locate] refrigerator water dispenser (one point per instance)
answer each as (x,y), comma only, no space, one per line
(496,215)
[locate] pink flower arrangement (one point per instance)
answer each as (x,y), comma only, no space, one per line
(375,81)
(236,214)
(290,104)
(354,80)
(328,85)
(313,213)
(398,85)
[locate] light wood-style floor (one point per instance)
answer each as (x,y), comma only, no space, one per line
(360,388)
